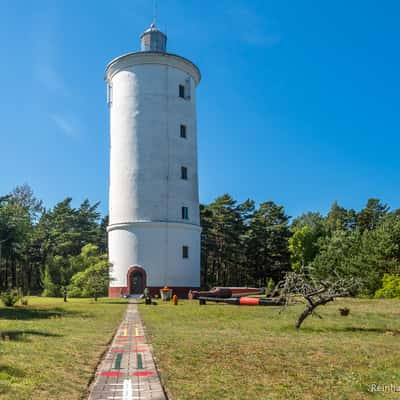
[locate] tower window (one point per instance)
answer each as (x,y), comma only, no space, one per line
(185,251)
(185,213)
(109,94)
(182,91)
(184,173)
(183,131)
(187,89)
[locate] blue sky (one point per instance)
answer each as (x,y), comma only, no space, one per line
(299,101)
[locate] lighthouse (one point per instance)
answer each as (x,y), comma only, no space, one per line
(154,223)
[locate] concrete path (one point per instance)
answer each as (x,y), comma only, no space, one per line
(128,371)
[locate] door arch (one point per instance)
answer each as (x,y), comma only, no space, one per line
(137,280)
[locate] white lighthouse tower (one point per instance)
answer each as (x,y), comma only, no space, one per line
(154,228)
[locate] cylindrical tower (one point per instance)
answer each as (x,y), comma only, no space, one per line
(154,228)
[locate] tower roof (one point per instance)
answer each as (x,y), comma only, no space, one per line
(152,39)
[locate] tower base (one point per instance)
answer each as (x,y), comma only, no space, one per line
(180,291)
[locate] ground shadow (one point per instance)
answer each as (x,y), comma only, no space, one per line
(360,329)
(24,313)
(111,302)
(372,330)
(7,371)
(22,336)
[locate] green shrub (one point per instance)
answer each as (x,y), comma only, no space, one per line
(269,287)
(93,281)
(10,297)
(52,279)
(390,287)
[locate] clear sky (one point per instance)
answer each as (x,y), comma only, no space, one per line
(299,101)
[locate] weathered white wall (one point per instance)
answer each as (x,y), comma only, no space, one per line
(146,156)
(157,248)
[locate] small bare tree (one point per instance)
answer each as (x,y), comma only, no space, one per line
(316,292)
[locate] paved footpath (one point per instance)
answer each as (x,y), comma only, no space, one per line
(128,371)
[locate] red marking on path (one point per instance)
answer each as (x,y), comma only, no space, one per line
(143,373)
(138,350)
(112,373)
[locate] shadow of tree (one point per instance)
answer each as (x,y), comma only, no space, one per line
(22,336)
(8,371)
(23,313)
(326,329)
(372,330)
(112,302)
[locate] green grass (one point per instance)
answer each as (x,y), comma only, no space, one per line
(237,353)
(50,349)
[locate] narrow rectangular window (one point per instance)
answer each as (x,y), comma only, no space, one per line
(182,91)
(184,173)
(185,213)
(187,90)
(185,251)
(109,94)
(183,131)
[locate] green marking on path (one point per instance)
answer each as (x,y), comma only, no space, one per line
(139,361)
(117,364)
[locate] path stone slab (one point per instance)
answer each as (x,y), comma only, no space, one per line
(128,372)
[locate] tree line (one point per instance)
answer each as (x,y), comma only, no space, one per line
(44,250)
(247,245)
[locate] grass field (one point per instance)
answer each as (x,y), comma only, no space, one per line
(238,353)
(50,349)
